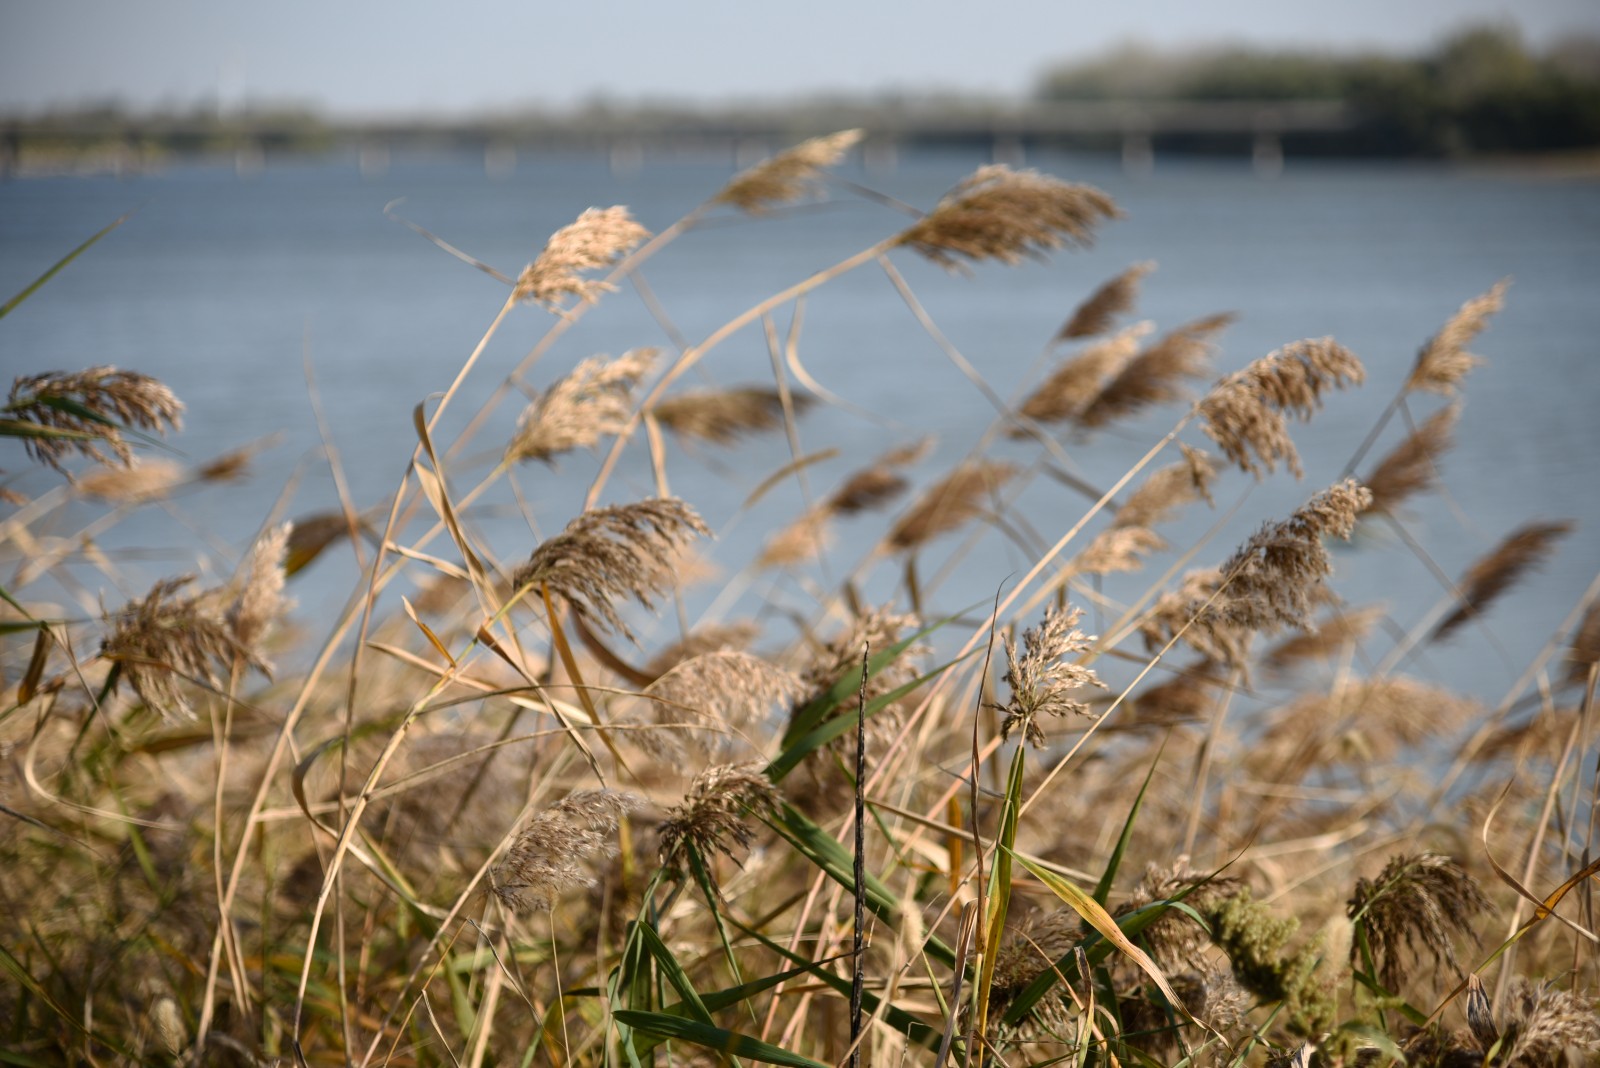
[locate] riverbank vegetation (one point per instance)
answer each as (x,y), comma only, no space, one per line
(538,801)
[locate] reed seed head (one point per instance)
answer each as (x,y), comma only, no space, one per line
(789,175)
(140,481)
(1444,361)
(548,858)
(724,416)
(1540,1023)
(1118,548)
(164,636)
(1167,489)
(803,540)
(722,695)
(580,408)
(1523,550)
(1583,652)
(1042,681)
(79,411)
(706,638)
(1075,383)
(598,238)
(1008,216)
(1412,466)
(876,485)
(1245,412)
(711,818)
(1117,296)
(608,553)
(949,503)
(1156,375)
(1417,905)
(1337,632)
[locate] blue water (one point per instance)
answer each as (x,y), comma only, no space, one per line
(226,287)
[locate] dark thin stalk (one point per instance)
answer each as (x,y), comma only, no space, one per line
(858,979)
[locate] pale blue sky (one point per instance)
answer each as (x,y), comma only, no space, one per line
(405,55)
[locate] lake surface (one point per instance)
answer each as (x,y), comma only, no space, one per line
(225,286)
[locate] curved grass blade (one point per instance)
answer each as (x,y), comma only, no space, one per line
(1102,889)
(9,306)
(731,1043)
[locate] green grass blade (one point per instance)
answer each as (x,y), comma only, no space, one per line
(731,1043)
(1102,889)
(673,972)
(10,305)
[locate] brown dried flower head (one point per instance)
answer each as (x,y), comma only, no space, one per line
(706,638)
(1156,375)
(789,175)
(879,483)
(1118,548)
(720,697)
(1245,412)
(877,628)
(1583,652)
(1042,682)
(1417,905)
(1540,1023)
(598,238)
(949,503)
(1444,361)
(140,481)
(608,553)
(712,817)
(1168,489)
(1075,383)
(164,636)
(580,408)
(258,601)
(1520,553)
(60,413)
(723,416)
(806,538)
(1412,466)
(1337,632)
(548,858)
(1000,214)
(1096,314)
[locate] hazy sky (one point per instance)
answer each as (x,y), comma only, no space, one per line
(407,55)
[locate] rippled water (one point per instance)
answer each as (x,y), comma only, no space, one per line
(227,288)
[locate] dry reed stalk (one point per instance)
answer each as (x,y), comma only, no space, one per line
(949,503)
(1075,383)
(1096,314)
(1169,488)
(1042,681)
(1583,652)
(1412,466)
(598,238)
(1156,375)
(607,553)
(1008,216)
(580,408)
(141,480)
(1522,550)
(1417,905)
(711,818)
(89,409)
(787,176)
(724,694)
(723,416)
(1270,582)
(1444,361)
(1331,637)
(547,859)
(1244,412)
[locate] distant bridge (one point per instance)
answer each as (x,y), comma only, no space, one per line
(628,136)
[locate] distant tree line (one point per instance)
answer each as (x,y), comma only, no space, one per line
(1482,90)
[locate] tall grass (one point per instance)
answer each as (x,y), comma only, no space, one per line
(511,818)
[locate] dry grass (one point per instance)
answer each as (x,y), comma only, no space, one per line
(466,830)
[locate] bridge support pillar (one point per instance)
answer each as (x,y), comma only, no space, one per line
(1266,156)
(1138,155)
(1008,149)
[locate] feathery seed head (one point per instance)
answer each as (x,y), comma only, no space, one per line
(1041,680)
(712,816)
(259,600)
(607,553)
(803,540)
(1075,383)
(1418,904)
(1412,466)
(1245,412)
(723,416)
(89,409)
(1444,361)
(1156,375)
(949,503)
(789,175)
(548,857)
(580,408)
(1523,550)
(1000,214)
(163,636)
(1096,314)
(723,694)
(598,238)
(1539,1023)
(140,481)
(1168,489)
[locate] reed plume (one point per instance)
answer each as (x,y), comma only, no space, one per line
(1522,550)
(1271,582)
(1583,651)
(1042,682)
(878,483)
(140,481)
(580,408)
(711,818)
(1417,905)
(608,553)
(1444,361)
(706,638)
(258,601)
(61,413)
(1412,466)
(1540,1023)
(1118,548)
(597,239)
(723,416)
(1096,314)
(1337,632)
(547,859)
(949,503)
(805,538)
(1075,383)
(1245,412)
(720,696)
(1008,216)
(1156,375)
(787,176)
(1169,488)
